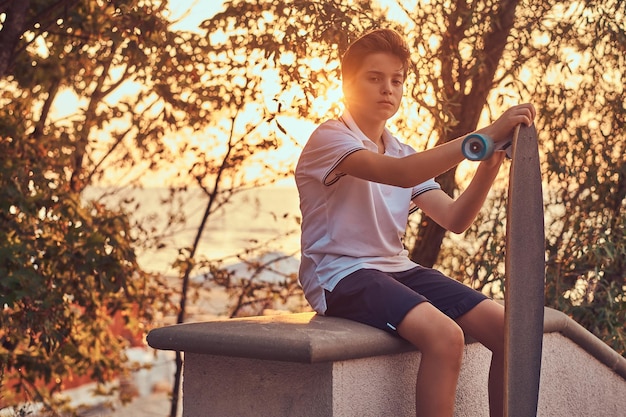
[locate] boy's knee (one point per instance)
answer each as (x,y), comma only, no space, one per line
(446,342)
(445,347)
(432,331)
(452,340)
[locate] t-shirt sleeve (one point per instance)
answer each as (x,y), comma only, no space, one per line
(419,189)
(326,148)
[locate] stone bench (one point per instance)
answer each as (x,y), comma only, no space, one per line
(309,365)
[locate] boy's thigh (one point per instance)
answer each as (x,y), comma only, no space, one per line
(448,295)
(382,299)
(372,297)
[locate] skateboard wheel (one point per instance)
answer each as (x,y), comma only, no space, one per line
(477,147)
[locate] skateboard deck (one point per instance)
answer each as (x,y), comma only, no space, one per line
(525,277)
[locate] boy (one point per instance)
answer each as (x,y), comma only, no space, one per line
(357,185)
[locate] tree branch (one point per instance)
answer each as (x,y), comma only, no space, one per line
(12,32)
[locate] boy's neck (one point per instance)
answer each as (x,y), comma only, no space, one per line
(373,129)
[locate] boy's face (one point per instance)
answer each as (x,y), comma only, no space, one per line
(376,89)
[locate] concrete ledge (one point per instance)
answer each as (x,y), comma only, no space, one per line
(299,365)
(311,338)
(557,321)
(301,337)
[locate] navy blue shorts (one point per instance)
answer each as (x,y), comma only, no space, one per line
(382,299)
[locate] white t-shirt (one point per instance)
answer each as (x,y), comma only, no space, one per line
(349,223)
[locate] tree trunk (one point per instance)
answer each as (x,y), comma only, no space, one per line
(467,113)
(430,235)
(11,33)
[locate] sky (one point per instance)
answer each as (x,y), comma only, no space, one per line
(190,13)
(203,9)
(187,15)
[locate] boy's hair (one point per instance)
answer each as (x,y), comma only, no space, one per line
(375,41)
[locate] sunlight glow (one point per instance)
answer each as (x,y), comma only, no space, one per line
(65,104)
(187,15)
(434,42)
(541,40)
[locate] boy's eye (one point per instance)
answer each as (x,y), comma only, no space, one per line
(378,78)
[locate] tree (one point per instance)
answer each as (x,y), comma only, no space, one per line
(12,29)
(69,267)
(583,126)
(463,44)
(138,87)
(219,177)
(567,58)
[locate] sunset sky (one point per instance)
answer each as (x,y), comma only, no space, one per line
(187,15)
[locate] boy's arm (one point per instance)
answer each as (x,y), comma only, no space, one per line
(402,172)
(458,214)
(417,168)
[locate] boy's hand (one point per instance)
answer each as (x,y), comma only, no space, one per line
(501,129)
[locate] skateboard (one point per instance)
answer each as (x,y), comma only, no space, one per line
(525,277)
(524,267)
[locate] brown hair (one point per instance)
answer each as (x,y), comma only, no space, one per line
(377,40)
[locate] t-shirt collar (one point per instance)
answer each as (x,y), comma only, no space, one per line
(390,143)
